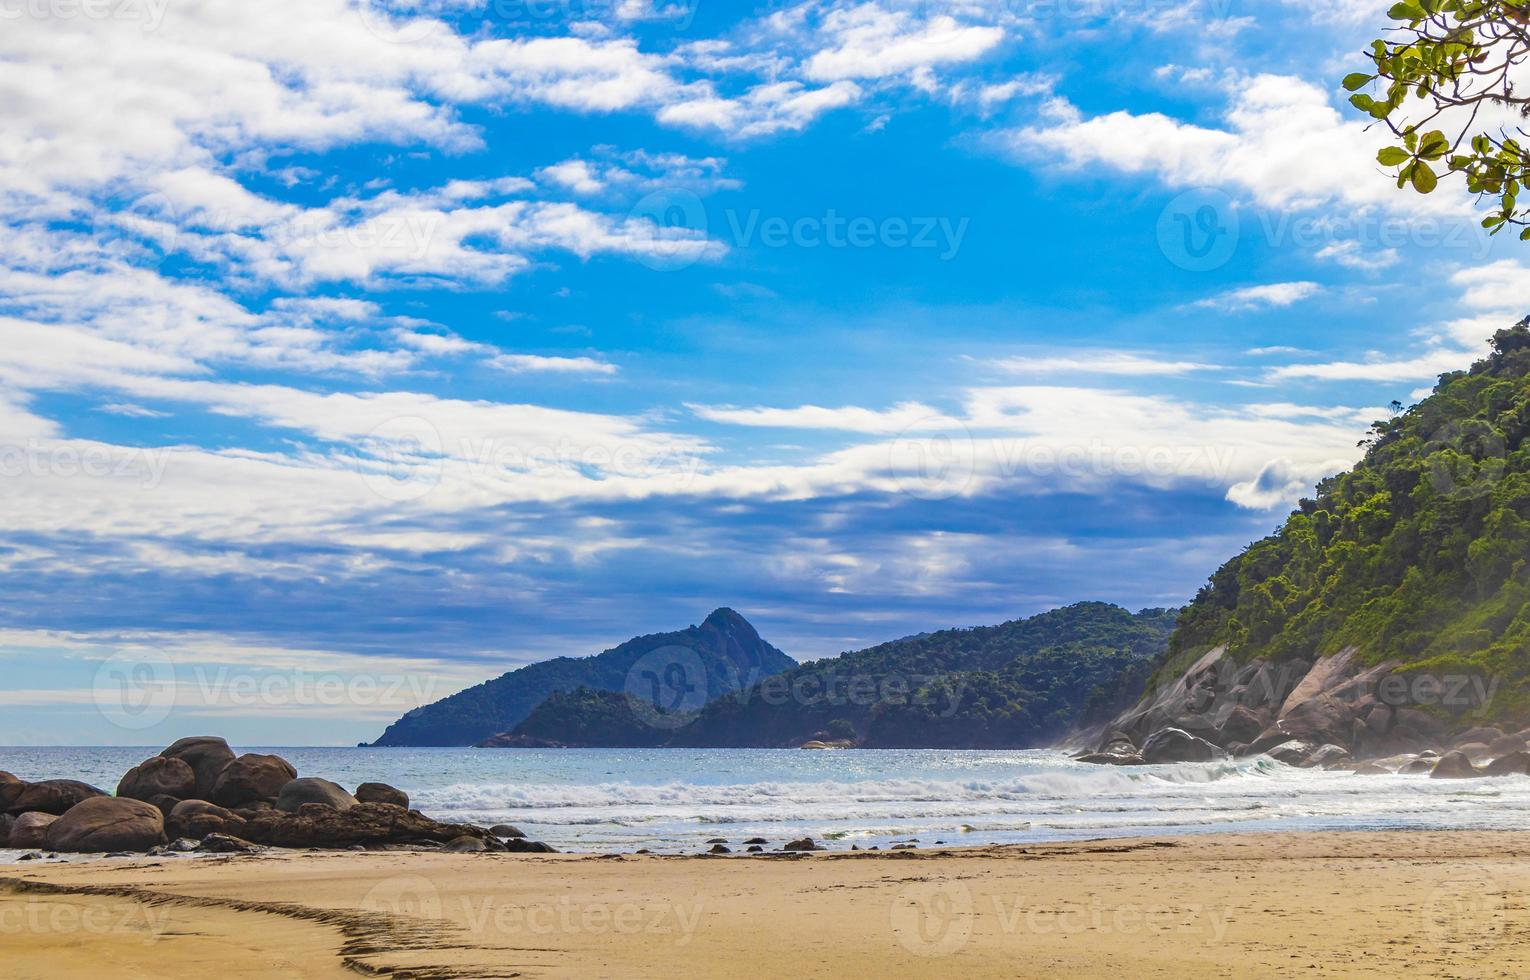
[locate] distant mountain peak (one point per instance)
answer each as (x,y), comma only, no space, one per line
(730,621)
(726,646)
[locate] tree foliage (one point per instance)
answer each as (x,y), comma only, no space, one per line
(1421,553)
(1445,81)
(1017,685)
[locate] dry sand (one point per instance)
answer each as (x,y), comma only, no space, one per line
(1311,905)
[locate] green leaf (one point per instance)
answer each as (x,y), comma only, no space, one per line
(1357,81)
(1424,180)
(1393,156)
(1433,145)
(1524,236)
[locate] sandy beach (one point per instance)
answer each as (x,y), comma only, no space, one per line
(1315,905)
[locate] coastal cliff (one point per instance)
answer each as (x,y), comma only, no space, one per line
(1390,614)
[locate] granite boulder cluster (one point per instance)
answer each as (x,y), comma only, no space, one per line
(199,795)
(1332,713)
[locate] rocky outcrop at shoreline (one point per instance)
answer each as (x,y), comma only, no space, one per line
(1332,713)
(198,795)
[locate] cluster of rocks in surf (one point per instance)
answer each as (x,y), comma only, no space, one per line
(197,795)
(1334,713)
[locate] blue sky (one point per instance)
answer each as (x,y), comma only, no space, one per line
(353,354)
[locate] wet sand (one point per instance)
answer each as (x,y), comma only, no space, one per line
(1310,905)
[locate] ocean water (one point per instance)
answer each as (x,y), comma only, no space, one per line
(604,800)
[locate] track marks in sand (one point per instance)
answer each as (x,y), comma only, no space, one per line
(80,922)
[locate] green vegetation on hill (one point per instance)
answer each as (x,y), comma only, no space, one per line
(1020,684)
(1420,553)
(603,719)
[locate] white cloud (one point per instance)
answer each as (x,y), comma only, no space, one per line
(764,110)
(1271,296)
(1284,146)
(908,416)
(1353,255)
(1496,295)
(1100,362)
(576,175)
(870,42)
(533,364)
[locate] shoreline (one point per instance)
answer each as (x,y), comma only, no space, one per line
(1328,904)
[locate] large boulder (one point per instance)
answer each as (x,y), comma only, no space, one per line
(55,796)
(198,818)
(225,844)
(103,823)
(1240,724)
(1508,745)
(365,823)
(27,832)
(164,804)
(1110,759)
(1329,756)
(207,755)
(1333,704)
(159,776)
(1116,750)
(1513,764)
(10,788)
(1455,765)
(1174,745)
(252,777)
(381,793)
(1487,736)
(1188,703)
(311,789)
(1478,752)
(1295,752)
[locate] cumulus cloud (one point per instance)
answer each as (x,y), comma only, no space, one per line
(1283,145)
(869,41)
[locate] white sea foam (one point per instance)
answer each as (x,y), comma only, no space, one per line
(677,799)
